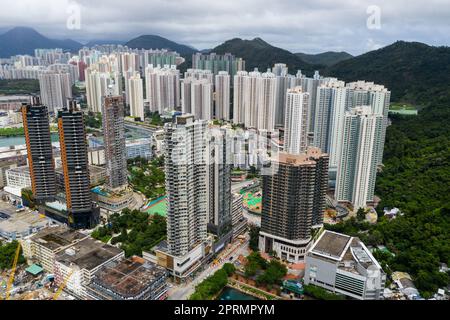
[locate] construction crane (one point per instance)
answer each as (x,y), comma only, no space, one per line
(61,287)
(13,271)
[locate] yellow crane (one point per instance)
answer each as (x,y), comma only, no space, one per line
(13,271)
(61,287)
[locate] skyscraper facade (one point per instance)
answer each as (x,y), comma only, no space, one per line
(135,95)
(219,184)
(39,150)
(186,170)
(356,174)
(255,97)
(293,203)
(222,96)
(197,98)
(55,88)
(114,141)
(74,158)
(296,121)
(162,88)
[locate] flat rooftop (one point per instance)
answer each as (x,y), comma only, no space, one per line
(87,254)
(21,222)
(55,238)
(331,244)
(298,159)
(128,277)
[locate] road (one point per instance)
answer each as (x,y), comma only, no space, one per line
(237,186)
(182,292)
(252,218)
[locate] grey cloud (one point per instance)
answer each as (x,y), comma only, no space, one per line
(308,26)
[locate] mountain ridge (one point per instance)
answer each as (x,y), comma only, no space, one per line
(24,40)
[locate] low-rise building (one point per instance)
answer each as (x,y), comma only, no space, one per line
(405,285)
(42,247)
(343,264)
(19,225)
(77,264)
(128,279)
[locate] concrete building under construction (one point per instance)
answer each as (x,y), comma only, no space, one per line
(128,279)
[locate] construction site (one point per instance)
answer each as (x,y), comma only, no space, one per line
(128,279)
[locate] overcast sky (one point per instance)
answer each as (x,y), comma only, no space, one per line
(310,26)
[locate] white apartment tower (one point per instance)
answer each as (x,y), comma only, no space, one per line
(197,98)
(222,96)
(376,96)
(356,174)
(296,121)
(332,101)
(98,85)
(55,89)
(186,170)
(136,96)
(255,98)
(162,88)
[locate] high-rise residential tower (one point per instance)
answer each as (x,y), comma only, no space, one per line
(357,168)
(74,157)
(255,97)
(197,98)
(135,95)
(55,88)
(219,184)
(222,96)
(293,203)
(379,98)
(39,150)
(296,121)
(162,88)
(114,141)
(186,170)
(217,62)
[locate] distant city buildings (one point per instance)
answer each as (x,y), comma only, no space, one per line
(197,98)
(55,89)
(162,88)
(293,203)
(216,63)
(255,100)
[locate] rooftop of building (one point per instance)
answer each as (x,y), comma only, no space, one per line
(22,223)
(87,254)
(346,251)
(55,238)
(128,277)
(20,170)
(331,244)
(300,159)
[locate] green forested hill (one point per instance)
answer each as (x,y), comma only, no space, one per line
(259,54)
(413,71)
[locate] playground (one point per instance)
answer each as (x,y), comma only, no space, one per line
(252,201)
(157,206)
